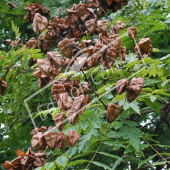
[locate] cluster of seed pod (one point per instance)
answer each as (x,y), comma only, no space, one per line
(43,137)
(26,161)
(132,91)
(34,8)
(103,5)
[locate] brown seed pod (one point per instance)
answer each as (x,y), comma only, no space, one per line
(20,153)
(64,102)
(61,141)
(40,23)
(38,142)
(73,138)
(132,32)
(143,47)
(121,86)
(8,165)
(121,52)
(120,25)
(32,43)
(112,112)
(59,120)
(115,40)
(65,47)
(73,112)
(45,66)
(50,139)
(102,26)
(3,86)
(57,88)
(134,89)
(16,162)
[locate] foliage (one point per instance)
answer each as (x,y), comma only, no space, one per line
(139,137)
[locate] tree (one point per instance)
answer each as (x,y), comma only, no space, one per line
(118,116)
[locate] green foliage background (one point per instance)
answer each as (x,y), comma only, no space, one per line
(140,135)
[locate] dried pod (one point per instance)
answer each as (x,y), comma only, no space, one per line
(34,8)
(132,32)
(35,131)
(32,43)
(65,102)
(104,38)
(121,86)
(59,120)
(79,63)
(102,26)
(73,112)
(120,25)
(85,43)
(38,142)
(8,165)
(73,138)
(25,161)
(50,139)
(11,5)
(115,40)
(55,58)
(143,47)
(40,23)
(16,162)
(90,25)
(110,57)
(20,153)
(3,86)
(45,66)
(112,112)
(65,47)
(39,162)
(94,3)
(121,52)
(57,88)
(134,89)
(61,141)
(40,154)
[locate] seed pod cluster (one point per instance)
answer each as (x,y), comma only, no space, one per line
(133,90)
(43,138)
(34,8)
(105,5)
(28,160)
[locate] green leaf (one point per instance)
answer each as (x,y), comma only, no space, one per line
(153,98)
(118,125)
(135,107)
(156,50)
(83,154)
(62,160)
(71,151)
(146,160)
(159,163)
(41,168)
(110,155)
(154,105)
(110,143)
(101,165)
(77,162)
(84,124)
(50,166)
(36,56)
(112,134)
